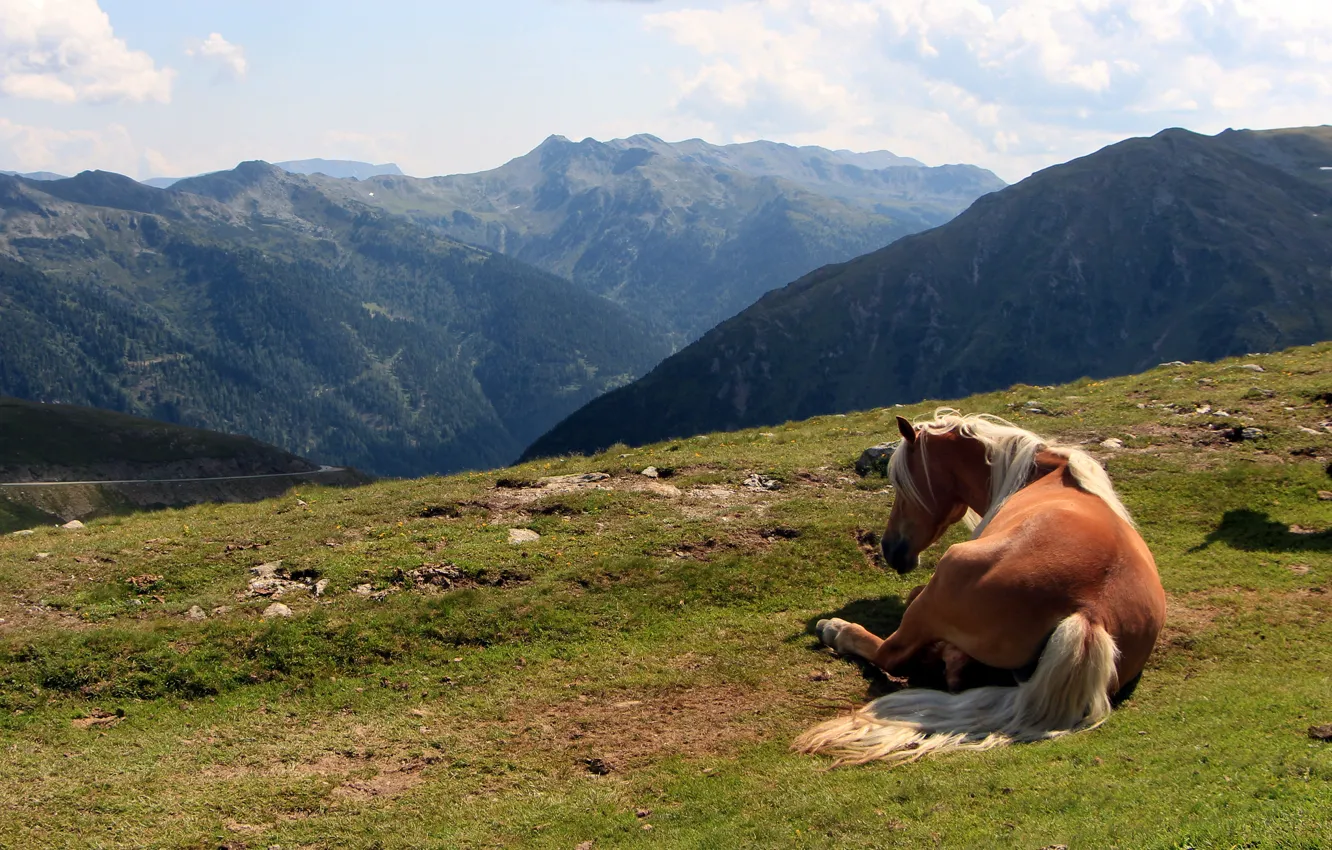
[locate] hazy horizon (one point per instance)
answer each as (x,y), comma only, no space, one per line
(151,88)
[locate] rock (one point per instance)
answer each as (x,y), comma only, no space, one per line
(599,767)
(1325,495)
(268,570)
(1321,733)
(1251,434)
(195,613)
(762,482)
(363,590)
(1034,406)
(1172,364)
(1258,392)
(1310,431)
(301,503)
(24,533)
(651,472)
(1112,443)
(875,459)
(523,535)
(440,575)
(277,609)
(73,525)
(1250,367)
(42,556)
(221,609)
(321,586)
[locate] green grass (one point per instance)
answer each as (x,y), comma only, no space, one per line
(664,633)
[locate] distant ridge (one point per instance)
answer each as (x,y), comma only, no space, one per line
(35,175)
(343,168)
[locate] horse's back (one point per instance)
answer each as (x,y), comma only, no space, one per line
(1050,552)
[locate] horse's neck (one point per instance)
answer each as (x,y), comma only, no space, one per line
(973,478)
(976,488)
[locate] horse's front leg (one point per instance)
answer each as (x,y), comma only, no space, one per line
(891,654)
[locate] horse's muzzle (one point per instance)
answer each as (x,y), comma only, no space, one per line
(897,554)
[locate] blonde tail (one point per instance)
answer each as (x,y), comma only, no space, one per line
(1068,692)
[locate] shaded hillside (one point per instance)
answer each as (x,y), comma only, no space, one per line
(683,235)
(60,462)
(1178,246)
(254,303)
(62,442)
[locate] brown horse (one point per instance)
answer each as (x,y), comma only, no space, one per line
(1055,574)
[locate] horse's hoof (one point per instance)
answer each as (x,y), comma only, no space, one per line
(828,629)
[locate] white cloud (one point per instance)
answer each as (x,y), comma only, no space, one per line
(1015,84)
(27,148)
(66,52)
(227,57)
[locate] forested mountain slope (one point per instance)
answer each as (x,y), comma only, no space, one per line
(327,327)
(1178,246)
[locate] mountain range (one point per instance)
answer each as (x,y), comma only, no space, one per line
(682,235)
(1174,247)
(308,312)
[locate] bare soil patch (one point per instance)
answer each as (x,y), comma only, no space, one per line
(625,729)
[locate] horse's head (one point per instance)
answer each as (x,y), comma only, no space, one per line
(929,473)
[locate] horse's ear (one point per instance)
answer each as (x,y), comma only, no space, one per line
(908,430)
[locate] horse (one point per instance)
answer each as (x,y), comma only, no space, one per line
(1055,575)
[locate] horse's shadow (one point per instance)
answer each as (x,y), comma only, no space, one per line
(881,616)
(1253,531)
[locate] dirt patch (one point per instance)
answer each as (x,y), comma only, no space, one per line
(97,719)
(868,543)
(625,729)
(395,780)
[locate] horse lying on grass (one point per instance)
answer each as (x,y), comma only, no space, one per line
(1055,573)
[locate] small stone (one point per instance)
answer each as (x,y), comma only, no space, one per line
(73,525)
(277,609)
(875,459)
(1258,392)
(42,556)
(1112,443)
(523,535)
(642,813)
(651,472)
(599,767)
(221,609)
(1325,495)
(1251,434)
(363,590)
(24,533)
(762,482)
(301,503)
(321,586)
(1172,364)
(195,613)
(1310,431)
(583,845)
(1251,367)
(1321,733)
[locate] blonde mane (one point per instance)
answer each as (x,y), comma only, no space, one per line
(1011,453)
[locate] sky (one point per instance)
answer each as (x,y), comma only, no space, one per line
(155,88)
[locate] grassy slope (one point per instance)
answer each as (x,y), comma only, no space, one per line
(665,634)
